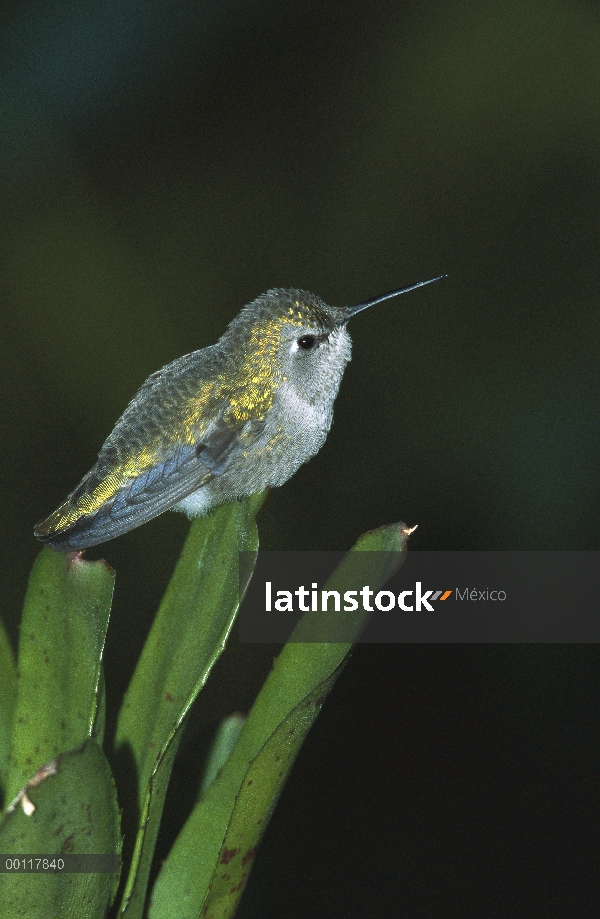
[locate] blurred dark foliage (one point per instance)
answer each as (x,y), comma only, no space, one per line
(161,164)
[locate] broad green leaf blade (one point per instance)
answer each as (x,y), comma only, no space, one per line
(257,796)
(60,651)
(8,698)
(186,639)
(227,823)
(76,812)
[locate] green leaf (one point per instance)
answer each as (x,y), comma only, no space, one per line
(186,639)
(205,872)
(8,698)
(60,650)
(76,812)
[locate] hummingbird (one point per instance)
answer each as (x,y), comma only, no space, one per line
(220,423)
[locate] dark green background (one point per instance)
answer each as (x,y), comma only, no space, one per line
(163,163)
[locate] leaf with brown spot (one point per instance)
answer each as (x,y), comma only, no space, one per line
(76,811)
(59,662)
(233,813)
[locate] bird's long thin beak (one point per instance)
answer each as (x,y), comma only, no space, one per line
(353,310)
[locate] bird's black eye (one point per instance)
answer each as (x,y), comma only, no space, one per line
(306,342)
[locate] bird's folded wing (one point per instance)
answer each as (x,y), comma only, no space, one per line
(118,495)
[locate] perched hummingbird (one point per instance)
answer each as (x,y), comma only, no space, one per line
(219,423)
